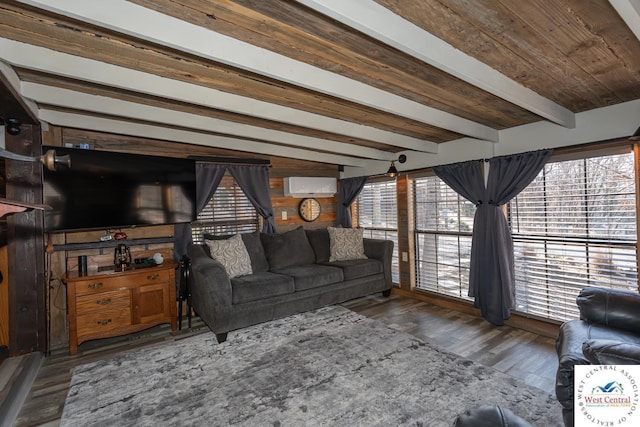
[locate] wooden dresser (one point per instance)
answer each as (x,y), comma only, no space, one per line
(112,303)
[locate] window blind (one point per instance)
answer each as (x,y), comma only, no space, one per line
(377,214)
(574,226)
(228,212)
(443,225)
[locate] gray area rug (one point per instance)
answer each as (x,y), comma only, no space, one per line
(328,367)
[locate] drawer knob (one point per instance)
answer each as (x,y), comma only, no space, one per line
(104,301)
(97,285)
(153,276)
(104,322)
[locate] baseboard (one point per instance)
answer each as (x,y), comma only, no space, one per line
(545,328)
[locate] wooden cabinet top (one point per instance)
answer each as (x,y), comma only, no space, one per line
(110,271)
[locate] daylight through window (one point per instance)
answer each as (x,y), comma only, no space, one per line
(377,214)
(443,226)
(573,226)
(228,212)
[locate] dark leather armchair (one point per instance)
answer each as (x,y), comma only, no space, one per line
(489,416)
(608,333)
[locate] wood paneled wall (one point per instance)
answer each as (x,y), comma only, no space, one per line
(61,261)
(405,230)
(4,303)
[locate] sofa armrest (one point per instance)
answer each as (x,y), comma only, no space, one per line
(613,308)
(382,250)
(210,289)
(611,352)
(569,349)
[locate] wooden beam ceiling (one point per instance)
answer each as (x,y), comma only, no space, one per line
(358,80)
(382,24)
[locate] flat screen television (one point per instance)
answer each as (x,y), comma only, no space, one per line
(109,190)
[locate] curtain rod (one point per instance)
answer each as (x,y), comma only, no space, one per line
(230,160)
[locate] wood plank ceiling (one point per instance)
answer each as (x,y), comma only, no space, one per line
(334,81)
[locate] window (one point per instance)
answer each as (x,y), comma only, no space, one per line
(574,226)
(377,214)
(443,226)
(228,212)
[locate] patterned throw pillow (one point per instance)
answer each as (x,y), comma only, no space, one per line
(232,254)
(346,244)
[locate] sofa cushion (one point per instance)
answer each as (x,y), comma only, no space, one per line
(286,249)
(356,268)
(321,244)
(346,244)
(253,243)
(232,254)
(260,286)
(312,275)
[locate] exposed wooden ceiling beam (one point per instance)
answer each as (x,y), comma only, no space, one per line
(629,11)
(114,107)
(134,20)
(101,124)
(13,105)
(380,23)
(58,63)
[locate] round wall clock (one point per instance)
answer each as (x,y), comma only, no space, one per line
(309,209)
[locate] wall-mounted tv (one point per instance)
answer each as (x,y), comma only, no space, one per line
(109,190)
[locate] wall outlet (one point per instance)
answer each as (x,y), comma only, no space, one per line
(283,215)
(405,256)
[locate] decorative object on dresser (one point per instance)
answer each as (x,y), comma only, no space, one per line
(117,302)
(329,367)
(122,257)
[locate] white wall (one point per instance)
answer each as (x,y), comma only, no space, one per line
(618,121)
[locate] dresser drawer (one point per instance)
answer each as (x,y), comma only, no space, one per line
(109,283)
(112,303)
(103,301)
(103,322)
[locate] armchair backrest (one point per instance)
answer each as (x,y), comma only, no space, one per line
(613,308)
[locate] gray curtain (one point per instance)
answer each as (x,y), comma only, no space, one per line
(492,276)
(254,181)
(349,190)
(464,178)
(208,177)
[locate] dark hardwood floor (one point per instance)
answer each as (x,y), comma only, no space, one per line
(521,354)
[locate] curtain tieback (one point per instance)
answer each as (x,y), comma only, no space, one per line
(490,202)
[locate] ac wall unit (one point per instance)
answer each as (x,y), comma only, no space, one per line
(306,186)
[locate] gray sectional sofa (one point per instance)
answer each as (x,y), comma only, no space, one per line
(291,273)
